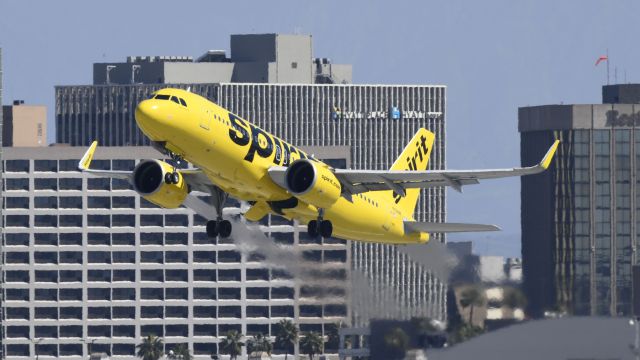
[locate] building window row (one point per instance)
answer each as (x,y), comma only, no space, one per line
(151,293)
(65,165)
(94,220)
(65,184)
(56,350)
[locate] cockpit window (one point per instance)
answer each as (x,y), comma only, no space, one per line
(175,99)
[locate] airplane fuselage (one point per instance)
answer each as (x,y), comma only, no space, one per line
(236,155)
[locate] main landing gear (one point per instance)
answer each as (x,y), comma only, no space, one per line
(320,227)
(218,227)
(173,177)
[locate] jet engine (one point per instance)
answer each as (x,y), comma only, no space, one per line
(149,181)
(312,183)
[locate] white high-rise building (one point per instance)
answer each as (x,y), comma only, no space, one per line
(91,265)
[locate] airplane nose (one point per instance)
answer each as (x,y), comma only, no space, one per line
(147,115)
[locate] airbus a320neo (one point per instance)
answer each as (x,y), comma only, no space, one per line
(233,157)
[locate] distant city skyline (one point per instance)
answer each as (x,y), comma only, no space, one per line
(493,56)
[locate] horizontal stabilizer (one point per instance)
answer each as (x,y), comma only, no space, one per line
(414,226)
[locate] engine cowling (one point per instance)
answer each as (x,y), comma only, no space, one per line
(148,181)
(312,183)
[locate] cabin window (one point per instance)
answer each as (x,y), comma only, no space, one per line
(184,103)
(162,97)
(175,100)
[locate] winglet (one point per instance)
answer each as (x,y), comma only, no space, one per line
(546,161)
(88,156)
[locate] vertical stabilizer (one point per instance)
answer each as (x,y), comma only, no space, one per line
(414,157)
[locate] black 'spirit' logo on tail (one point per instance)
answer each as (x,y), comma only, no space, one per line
(412,161)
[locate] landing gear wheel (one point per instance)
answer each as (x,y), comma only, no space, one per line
(217,227)
(326,228)
(212,228)
(171,178)
(312,229)
(224,228)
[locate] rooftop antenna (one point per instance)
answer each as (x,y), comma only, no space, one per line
(134,69)
(615,74)
(109,68)
(189,89)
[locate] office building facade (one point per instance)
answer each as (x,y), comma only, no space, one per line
(1,222)
(91,266)
(374,121)
(581,219)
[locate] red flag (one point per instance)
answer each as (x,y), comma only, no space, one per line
(601,59)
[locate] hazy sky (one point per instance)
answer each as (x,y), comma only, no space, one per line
(493,56)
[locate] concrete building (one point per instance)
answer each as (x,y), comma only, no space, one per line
(259,58)
(513,270)
(1,222)
(581,219)
(491,269)
(24,125)
(91,265)
(307,115)
(375,122)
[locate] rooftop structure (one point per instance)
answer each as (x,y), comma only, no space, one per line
(255,58)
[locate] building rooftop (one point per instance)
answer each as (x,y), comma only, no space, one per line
(620,108)
(565,338)
(261,58)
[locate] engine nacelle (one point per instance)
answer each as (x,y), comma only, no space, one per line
(148,181)
(313,184)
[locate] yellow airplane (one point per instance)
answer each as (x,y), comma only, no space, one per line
(236,158)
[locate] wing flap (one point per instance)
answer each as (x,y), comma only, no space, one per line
(374,180)
(197,180)
(414,226)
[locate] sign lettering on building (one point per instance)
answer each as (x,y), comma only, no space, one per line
(393,113)
(614,118)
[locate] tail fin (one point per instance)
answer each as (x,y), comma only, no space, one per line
(415,156)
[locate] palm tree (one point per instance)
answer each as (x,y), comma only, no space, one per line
(311,344)
(180,352)
(232,344)
(397,341)
(259,343)
(464,332)
(267,345)
(471,297)
(151,348)
(286,335)
(514,298)
(423,327)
